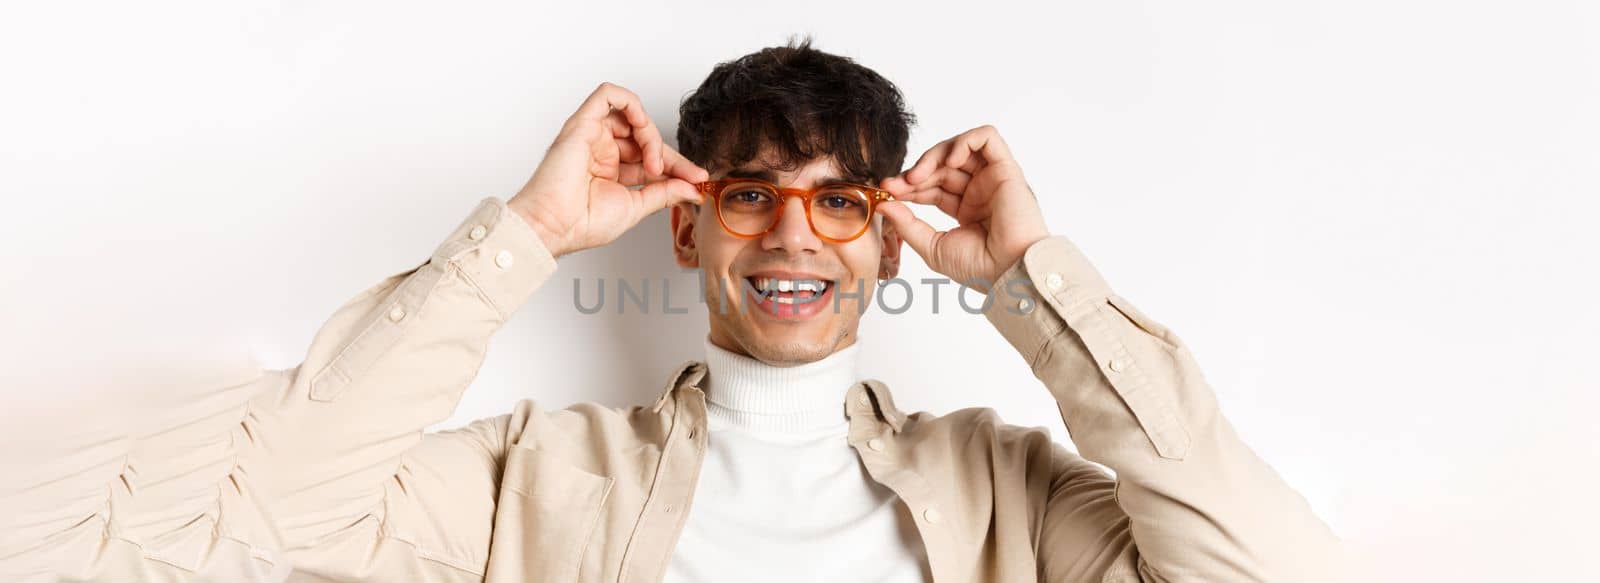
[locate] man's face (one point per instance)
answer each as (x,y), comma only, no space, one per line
(770,328)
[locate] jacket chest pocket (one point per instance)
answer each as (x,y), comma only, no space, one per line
(545,519)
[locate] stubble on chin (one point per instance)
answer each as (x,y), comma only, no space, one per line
(788,352)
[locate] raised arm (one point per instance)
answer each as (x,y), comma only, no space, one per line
(1190,501)
(355,488)
(1199,504)
(331,444)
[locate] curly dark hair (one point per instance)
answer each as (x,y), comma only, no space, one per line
(804,104)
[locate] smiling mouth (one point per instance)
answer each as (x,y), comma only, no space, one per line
(790,291)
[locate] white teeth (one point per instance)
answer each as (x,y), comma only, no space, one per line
(789,285)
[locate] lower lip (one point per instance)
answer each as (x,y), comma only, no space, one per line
(769,306)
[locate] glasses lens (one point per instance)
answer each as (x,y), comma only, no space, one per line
(748,208)
(840,212)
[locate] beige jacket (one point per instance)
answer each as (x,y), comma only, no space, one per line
(353,489)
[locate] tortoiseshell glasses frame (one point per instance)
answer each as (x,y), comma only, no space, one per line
(748,219)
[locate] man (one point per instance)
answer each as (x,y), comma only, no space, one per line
(769,460)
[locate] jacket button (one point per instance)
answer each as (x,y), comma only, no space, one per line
(1118,365)
(931,515)
(875,444)
(397,314)
(503,259)
(477,233)
(1053,281)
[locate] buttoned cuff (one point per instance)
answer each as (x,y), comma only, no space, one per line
(494,251)
(500,254)
(1054,288)
(1052,273)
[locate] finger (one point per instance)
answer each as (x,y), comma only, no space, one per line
(680,167)
(954,180)
(629,148)
(944,189)
(617,124)
(896,184)
(649,138)
(683,191)
(903,183)
(634,174)
(629,153)
(914,231)
(927,163)
(608,98)
(984,142)
(947,202)
(661,194)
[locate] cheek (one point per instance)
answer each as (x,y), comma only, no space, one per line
(863,258)
(719,254)
(718,249)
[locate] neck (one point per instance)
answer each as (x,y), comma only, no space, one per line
(742,392)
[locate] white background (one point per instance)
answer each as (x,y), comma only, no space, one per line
(1370,220)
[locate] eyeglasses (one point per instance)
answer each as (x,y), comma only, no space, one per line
(749,208)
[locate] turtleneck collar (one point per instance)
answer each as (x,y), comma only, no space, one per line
(742,392)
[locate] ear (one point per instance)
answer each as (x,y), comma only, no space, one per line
(889,262)
(684,217)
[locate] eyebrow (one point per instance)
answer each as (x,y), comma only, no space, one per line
(770,176)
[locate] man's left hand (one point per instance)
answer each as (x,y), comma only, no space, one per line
(973,179)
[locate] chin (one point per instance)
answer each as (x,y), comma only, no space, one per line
(789,349)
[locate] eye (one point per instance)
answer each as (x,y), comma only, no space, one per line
(746,196)
(839,202)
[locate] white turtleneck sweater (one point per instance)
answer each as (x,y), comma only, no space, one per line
(782,496)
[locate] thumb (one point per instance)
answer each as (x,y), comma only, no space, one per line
(914,231)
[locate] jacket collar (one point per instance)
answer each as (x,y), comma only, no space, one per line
(868,399)
(686,380)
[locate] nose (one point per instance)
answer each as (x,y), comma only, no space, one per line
(793,232)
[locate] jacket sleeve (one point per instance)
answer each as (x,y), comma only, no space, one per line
(137,483)
(1190,501)
(355,488)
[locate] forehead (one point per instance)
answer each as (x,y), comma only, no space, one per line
(820,171)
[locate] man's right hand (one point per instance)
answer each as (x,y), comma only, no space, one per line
(579,197)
